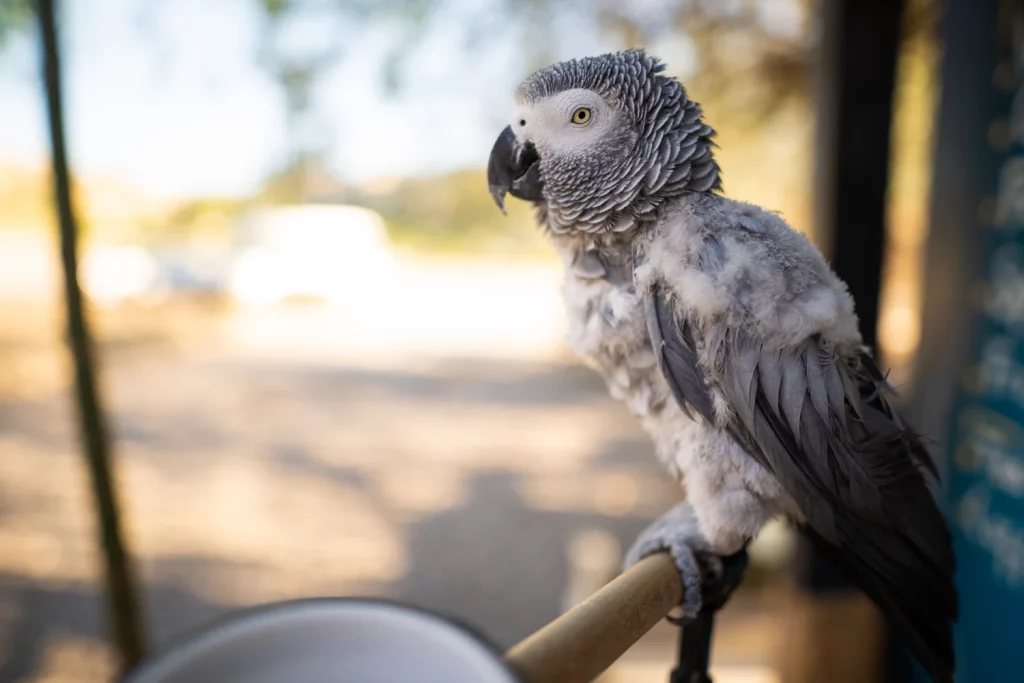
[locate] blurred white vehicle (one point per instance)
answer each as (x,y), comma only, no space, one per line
(111,275)
(332,253)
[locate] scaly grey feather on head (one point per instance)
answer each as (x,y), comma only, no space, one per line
(676,292)
(652,142)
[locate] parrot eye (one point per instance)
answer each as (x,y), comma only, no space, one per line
(581,116)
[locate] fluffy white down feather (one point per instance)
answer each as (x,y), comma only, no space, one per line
(769,279)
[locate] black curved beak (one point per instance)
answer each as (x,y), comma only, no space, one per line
(514,169)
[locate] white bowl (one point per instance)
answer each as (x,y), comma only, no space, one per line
(328,641)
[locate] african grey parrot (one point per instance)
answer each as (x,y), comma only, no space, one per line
(730,338)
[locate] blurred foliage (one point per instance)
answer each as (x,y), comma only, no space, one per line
(752,58)
(760,48)
(752,69)
(198,218)
(15,16)
(750,63)
(298,65)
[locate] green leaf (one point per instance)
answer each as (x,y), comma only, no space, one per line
(15,17)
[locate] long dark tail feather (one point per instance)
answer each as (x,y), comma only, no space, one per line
(922,621)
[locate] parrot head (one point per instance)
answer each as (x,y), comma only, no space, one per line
(602,139)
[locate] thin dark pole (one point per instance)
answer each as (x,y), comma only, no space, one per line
(121,591)
(694,658)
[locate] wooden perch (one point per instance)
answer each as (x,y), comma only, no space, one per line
(590,637)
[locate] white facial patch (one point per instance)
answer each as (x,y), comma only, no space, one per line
(548,123)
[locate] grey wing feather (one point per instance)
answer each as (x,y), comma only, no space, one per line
(794,387)
(677,357)
(815,362)
(741,379)
(769,369)
(822,425)
(834,392)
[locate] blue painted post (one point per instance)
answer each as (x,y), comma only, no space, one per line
(972,355)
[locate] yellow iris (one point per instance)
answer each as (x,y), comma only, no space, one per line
(581,115)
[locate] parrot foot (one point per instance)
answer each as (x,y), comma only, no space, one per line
(708,579)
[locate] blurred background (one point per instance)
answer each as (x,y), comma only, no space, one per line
(331,366)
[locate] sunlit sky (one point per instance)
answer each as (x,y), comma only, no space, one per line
(169,95)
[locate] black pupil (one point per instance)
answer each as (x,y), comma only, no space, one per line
(581,114)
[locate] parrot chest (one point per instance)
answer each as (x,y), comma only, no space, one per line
(607,326)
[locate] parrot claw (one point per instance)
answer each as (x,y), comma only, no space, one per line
(708,579)
(722,576)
